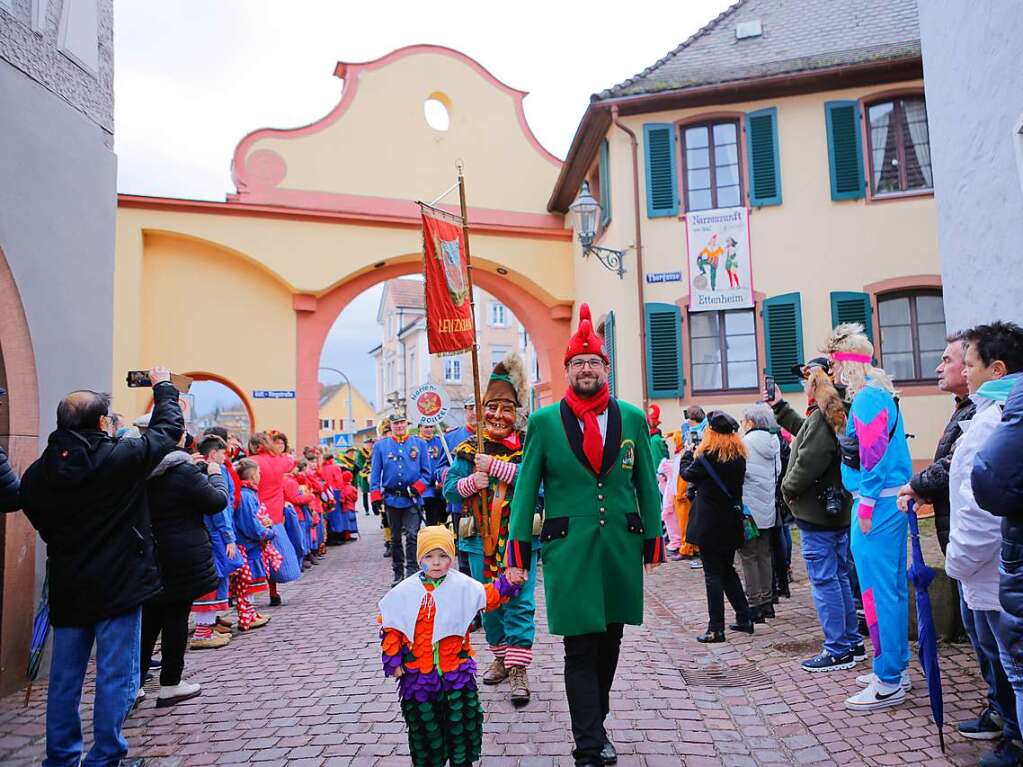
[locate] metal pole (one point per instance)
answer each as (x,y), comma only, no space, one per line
(484,512)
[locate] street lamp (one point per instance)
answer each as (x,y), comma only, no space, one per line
(587,212)
(351,420)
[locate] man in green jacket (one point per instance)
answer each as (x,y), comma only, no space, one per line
(812,488)
(602,526)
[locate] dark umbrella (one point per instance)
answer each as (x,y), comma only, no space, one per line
(927,641)
(40,631)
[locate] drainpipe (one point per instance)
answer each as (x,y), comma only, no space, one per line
(640,296)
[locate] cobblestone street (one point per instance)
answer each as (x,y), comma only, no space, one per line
(307,691)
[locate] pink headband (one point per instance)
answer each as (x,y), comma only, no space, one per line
(866,359)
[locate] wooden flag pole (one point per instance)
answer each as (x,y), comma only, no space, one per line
(484,511)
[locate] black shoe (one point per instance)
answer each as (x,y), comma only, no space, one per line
(135,762)
(767,611)
(745,627)
(608,754)
(276,601)
(711,637)
(155,664)
(757,615)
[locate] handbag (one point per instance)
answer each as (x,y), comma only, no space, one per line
(749,525)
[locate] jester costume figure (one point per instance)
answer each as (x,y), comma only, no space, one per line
(425,624)
(485,484)
(602,524)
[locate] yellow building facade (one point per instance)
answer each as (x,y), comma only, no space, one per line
(818,253)
(335,417)
(245,291)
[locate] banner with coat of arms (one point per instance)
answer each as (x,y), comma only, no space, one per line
(449,322)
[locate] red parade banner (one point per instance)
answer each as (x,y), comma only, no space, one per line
(449,320)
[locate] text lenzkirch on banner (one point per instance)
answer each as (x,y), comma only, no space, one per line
(720,274)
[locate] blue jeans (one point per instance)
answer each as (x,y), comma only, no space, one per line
(990,642)
(992,673)
(117,643)
(826,554)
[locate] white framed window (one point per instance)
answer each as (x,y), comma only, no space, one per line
(452,370)
(498,315)
(413,370)
(497,353)
(324,423)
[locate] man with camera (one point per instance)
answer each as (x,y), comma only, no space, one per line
(86,495)
(812,488)
(399,474)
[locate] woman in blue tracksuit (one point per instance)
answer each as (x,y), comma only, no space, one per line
(875,464)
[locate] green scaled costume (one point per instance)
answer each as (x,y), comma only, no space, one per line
(447,729)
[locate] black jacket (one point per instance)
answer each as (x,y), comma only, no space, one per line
(931,483)
(180,494)
(8,486)
(713,521)
(86,495)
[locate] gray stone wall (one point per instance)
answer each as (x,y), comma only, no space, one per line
(974,79)
(34,49)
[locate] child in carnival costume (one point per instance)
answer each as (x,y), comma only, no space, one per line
(425,622)
(875,465)
(491,475)
(252,532)
(349,498)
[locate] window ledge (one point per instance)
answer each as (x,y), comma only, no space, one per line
(721,396)
(893,196)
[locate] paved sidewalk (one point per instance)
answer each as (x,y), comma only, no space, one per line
(307,691)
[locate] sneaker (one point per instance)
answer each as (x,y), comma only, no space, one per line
(696,564)
(987,726)
(210,643)
(859,652)
(155,664)
(877,696)
(825,661)
(906,683)
(1008,753)
(674,556)
(171,696)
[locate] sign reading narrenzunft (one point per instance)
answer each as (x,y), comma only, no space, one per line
(720,272)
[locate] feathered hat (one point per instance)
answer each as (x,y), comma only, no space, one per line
(508,381)
(585,340)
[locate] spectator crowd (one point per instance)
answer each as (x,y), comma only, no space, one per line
(148,534)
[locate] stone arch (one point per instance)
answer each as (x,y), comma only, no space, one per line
(19,434)
(206,376)
(546,321)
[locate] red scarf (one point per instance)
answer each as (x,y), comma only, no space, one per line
(586,410)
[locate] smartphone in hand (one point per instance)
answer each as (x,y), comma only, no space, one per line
(770,388)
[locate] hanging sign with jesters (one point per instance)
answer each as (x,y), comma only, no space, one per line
(720,273)
(449,325)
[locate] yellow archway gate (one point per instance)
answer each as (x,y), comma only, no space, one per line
(247,288)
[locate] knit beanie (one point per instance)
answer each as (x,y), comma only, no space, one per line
(434,537)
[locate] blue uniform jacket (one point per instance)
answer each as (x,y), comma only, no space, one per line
(220,525)
(454,438)
(438,462)
(396,467)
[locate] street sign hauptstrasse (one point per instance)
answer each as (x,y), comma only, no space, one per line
(273,394)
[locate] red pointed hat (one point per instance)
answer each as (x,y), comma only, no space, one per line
(585,341)
(653,416)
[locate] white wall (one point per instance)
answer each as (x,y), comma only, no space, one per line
(974,77)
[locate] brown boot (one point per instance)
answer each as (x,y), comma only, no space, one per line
(519,681)
(497,672)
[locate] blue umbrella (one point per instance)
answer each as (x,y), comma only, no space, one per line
(40,632)
(927,641)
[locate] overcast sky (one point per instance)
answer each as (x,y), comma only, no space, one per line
(192,77)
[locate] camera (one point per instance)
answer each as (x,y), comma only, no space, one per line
(834,500)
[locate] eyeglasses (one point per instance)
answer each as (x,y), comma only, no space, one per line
(591,364)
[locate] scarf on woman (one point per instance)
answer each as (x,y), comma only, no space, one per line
(586,409)
(998,389)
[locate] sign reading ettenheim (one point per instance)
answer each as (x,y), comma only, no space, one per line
(449,325)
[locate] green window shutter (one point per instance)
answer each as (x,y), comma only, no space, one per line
(845,149)
(661,179)
(847,306)
(664,376)
(764,163)
(605,185)
(610,345)
(783,339)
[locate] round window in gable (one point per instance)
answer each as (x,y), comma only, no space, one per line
(435,110)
